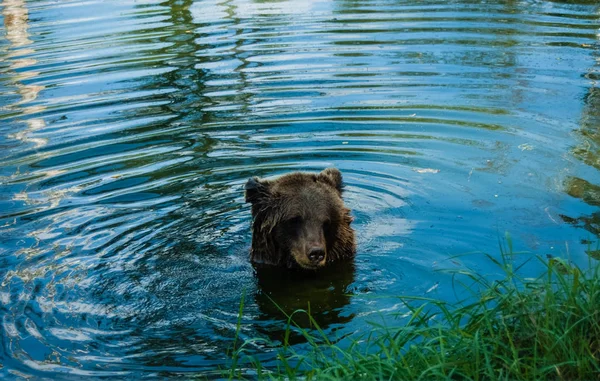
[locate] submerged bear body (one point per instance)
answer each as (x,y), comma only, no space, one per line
(300,220)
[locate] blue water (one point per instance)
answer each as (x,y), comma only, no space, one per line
(128,128)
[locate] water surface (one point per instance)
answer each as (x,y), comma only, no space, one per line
(128,128)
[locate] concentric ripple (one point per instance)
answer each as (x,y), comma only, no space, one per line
(128,128)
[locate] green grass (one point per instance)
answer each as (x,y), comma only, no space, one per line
(514,329)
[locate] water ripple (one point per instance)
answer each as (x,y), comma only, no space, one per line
(127,131)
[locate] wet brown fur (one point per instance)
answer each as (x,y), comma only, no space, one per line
(296,214)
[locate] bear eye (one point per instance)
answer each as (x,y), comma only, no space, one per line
(326,225)
(294,220)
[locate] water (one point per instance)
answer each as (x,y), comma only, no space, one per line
(127,131)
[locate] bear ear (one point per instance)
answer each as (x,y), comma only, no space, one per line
(256,189)
(333,177)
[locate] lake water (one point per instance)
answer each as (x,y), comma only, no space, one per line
(128,129)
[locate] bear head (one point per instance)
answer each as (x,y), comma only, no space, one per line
(300,220)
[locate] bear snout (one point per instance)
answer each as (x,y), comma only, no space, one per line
(316,254)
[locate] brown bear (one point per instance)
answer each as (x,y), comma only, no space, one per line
(300,220)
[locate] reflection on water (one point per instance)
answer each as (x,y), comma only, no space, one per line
(16,19)
(588,151)
(127,131)
(323,294)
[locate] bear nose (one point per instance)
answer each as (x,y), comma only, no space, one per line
(316,254)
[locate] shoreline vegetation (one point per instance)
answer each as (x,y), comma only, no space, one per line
(514,328)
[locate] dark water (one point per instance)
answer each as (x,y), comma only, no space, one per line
(128,128)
